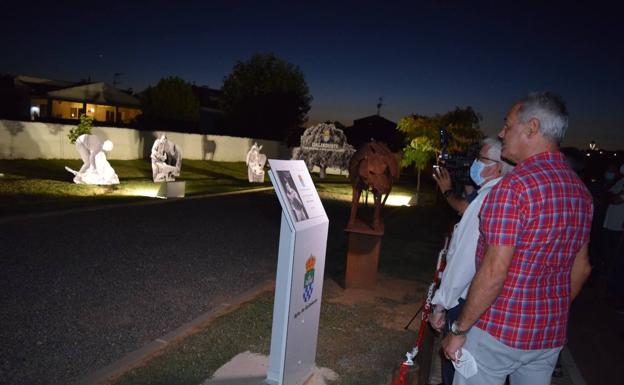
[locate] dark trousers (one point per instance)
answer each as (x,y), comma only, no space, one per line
(614,242)
(448,370)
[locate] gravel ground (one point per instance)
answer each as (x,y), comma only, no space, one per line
(79,291)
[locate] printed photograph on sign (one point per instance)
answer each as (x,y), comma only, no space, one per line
(297,209)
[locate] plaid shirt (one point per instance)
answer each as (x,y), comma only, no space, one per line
(542,209)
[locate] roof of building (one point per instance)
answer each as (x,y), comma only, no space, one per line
(41,85)
(97,93)
(374,127)
(371,118)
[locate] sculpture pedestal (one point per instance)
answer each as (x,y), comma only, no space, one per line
(362,256)
(171,190)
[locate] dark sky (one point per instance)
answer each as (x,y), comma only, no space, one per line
(421,56)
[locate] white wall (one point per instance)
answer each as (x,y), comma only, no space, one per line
(36,140)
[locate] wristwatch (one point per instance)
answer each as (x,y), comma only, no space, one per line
(447,193)
(456,331)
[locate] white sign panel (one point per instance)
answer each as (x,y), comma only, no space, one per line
(300,269)
(295,186)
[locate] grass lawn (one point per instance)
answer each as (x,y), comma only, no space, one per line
(351,342)
(44,185)
(29,186)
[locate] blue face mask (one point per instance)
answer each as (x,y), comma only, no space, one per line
(475,171)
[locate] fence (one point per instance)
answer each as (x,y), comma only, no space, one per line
(37,140)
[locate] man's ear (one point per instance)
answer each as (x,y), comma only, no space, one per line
(533,126)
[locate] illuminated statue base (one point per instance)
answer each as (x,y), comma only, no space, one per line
(171,190)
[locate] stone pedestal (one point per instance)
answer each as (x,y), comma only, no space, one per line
(171,190)
(362,256)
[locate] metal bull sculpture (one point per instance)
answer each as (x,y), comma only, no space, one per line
(373,167)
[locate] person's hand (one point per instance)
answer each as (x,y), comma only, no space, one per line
(451,345)
(442,178)
(437,320)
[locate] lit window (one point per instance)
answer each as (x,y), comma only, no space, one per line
(34,112)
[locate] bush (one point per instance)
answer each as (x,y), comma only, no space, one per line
(84,127)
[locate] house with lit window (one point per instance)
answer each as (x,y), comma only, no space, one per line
(101,101)
(37,98)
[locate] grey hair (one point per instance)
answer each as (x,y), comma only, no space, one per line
(549,109)
(494,153)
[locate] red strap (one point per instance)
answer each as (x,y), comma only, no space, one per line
(400,380)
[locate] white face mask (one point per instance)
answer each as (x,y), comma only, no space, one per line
(476,168)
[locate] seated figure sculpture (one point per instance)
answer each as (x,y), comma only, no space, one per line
(166,160)
(255,164)
(95,168)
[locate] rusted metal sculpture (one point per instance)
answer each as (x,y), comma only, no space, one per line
(373,167)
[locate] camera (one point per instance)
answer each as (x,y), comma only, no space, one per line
(457,164)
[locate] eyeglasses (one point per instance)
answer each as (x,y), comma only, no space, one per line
(486,158)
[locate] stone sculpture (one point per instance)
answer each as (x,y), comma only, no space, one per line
(255,164)
(324,146)
(166,160)
(95,168)
(373,167)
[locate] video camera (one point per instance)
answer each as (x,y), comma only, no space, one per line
(458,164)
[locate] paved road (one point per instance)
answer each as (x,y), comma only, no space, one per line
(78,291)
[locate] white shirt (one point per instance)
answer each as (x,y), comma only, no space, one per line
(460,257)
(614,219)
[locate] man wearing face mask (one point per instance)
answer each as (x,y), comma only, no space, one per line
(485,171)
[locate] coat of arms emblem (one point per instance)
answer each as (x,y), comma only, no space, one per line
(308,279)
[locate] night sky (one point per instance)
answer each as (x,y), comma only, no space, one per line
(422,57)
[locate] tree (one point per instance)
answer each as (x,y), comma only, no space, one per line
(461,123)
(172,99)
(418,153)
(84,127)
(423,136)
(265,97)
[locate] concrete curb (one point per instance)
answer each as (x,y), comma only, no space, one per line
(154,201)
(138,357)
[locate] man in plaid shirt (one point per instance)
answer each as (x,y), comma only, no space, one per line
(531,257)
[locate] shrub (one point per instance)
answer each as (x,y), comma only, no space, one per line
(84,127)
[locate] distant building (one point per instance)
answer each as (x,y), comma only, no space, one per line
(33,98)
(377,128)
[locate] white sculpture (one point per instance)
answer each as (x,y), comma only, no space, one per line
(255,164)
(324,146)
(166,160)
(95,168)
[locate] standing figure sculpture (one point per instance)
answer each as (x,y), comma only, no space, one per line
(373,167)
(95,168)
(255,164)
(166,159)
